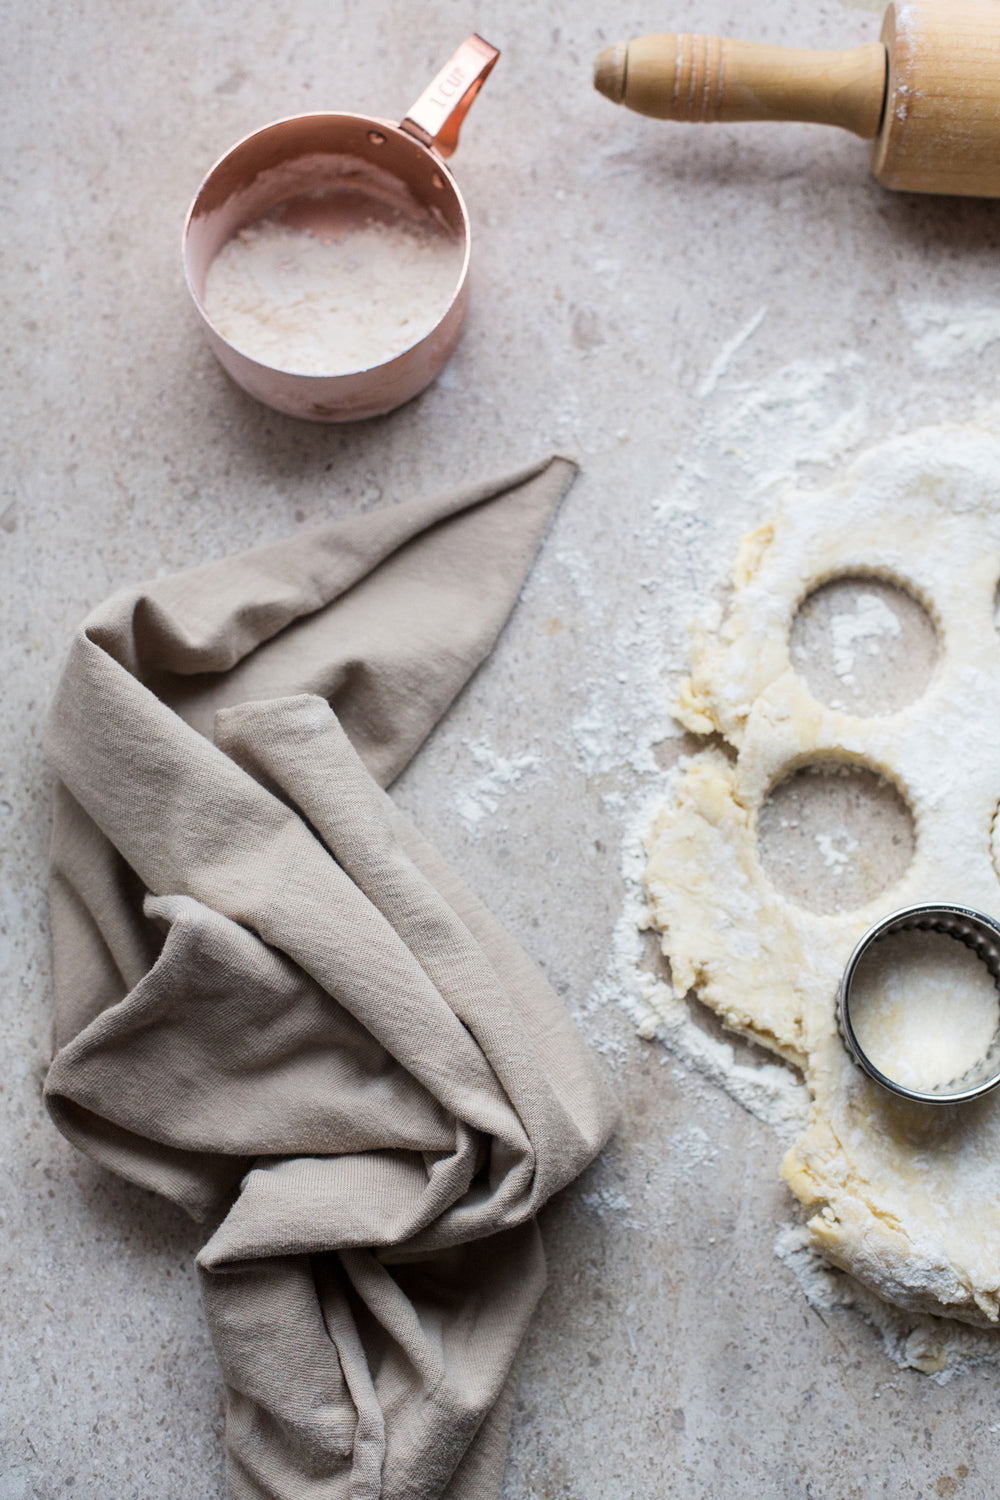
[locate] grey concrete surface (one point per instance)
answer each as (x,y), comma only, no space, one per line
(616,262)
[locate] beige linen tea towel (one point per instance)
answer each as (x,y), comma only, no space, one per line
(278,1007)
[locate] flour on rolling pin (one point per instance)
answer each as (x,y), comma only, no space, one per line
(329,299)
(927,95)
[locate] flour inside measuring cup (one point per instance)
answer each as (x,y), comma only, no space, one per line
(331,298)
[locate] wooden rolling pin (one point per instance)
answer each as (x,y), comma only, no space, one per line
(927,95)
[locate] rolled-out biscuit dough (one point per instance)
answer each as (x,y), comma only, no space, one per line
(904,1197)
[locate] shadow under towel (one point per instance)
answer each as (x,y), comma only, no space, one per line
(278,1007)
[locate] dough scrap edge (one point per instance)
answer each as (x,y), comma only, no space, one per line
(949,475)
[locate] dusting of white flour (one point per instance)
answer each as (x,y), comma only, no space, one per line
(871,622)
(774,441)
(497,775)
(326,303)
(762,437)
(908,1208)
(837,849)
(943,334)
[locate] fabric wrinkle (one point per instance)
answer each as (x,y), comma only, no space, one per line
(279,1008)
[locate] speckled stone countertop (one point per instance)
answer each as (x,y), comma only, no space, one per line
(695,314)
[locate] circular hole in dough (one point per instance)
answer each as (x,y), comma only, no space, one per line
(832,837)
(863,645)
(924,1008)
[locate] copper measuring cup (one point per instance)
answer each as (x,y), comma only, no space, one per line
(312,162)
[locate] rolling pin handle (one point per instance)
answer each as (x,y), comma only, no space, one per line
(701,79)
(927,95)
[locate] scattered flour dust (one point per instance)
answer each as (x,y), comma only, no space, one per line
(692,1149)
(909,1212)
(328,303)
(497,776)
(605,1200)
(837,849)
(869,625)
(757,438)
(942,335)
(728,353)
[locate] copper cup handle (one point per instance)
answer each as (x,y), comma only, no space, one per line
(436,118)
